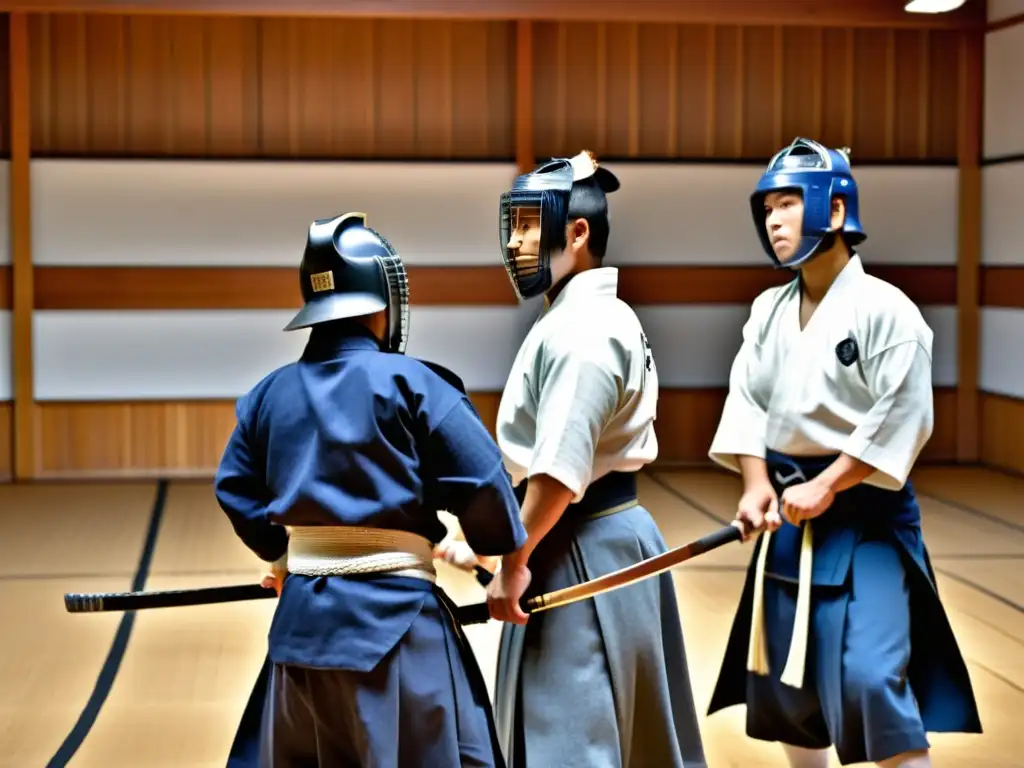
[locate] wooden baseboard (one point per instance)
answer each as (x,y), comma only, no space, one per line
(120,440)
(1002,432)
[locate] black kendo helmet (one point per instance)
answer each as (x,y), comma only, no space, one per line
(350,270)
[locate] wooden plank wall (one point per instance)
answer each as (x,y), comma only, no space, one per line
(229,87)
(1001,420)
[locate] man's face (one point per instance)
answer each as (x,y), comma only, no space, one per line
(783,220)
(525,238)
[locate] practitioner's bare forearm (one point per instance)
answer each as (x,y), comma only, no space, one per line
(755,472)
(546,500)
(845,472)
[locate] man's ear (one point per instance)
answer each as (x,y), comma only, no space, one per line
(838,213)
(580,233)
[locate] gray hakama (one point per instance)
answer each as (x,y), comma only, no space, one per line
(604,681)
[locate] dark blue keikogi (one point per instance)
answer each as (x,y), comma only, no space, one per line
(366,671)
(883,665)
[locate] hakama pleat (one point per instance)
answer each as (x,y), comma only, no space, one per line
(424,705)
(604,681)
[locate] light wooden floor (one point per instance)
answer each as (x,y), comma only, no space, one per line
(185,673)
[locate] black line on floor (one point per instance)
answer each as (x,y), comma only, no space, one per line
(105,680)
(692,502)
(994,627)
(130,574)
(708,513)
(996,675)
(953,504)
(984,590)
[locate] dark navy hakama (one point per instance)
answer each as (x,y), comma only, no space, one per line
(405,711)
(883,666)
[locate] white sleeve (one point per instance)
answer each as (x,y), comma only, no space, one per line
(900,422)
(580,381)
(744,423)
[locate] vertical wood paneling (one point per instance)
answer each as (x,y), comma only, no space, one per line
(5,85)
(872,77)
(944,84)
(911,88)
(271,87)
(1001,419)
(742,91)
(279,87)
(802,82)
(759,98)
(524,83)
(146,438)
(970,62)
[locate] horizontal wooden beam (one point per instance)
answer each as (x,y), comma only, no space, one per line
(6,290)
(1002,286)
(194,288)
(277,287)
(817,13)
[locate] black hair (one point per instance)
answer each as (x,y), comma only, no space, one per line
(589,202)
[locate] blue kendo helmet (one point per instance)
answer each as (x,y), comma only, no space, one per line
(819,174)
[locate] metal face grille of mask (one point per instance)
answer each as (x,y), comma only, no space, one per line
(524,250)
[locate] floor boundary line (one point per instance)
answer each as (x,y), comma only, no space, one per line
(948,574)
(108,672)
(130,574)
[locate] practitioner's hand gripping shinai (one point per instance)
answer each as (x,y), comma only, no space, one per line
(477,613)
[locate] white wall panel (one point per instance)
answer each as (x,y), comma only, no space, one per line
(943,322)
(1002,351)
(1002,213)
(193,355)
(1004,9)
(694,345)
(128,212)
(700,214)
(6,380)
(95,355)
(125,212)
(1004,92)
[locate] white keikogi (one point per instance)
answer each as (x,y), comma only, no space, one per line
(814,392)
(582,394)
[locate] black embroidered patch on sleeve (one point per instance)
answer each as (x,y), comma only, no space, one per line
(846,351)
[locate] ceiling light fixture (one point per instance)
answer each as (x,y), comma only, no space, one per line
(932,6)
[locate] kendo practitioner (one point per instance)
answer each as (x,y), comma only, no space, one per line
(334,472)
(604,681)
(840,638)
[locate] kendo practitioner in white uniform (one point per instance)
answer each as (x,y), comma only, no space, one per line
(604,681)
(840,638)
(335,470)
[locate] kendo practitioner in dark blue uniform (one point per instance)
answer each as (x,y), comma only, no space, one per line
(334,472)
(840,638)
